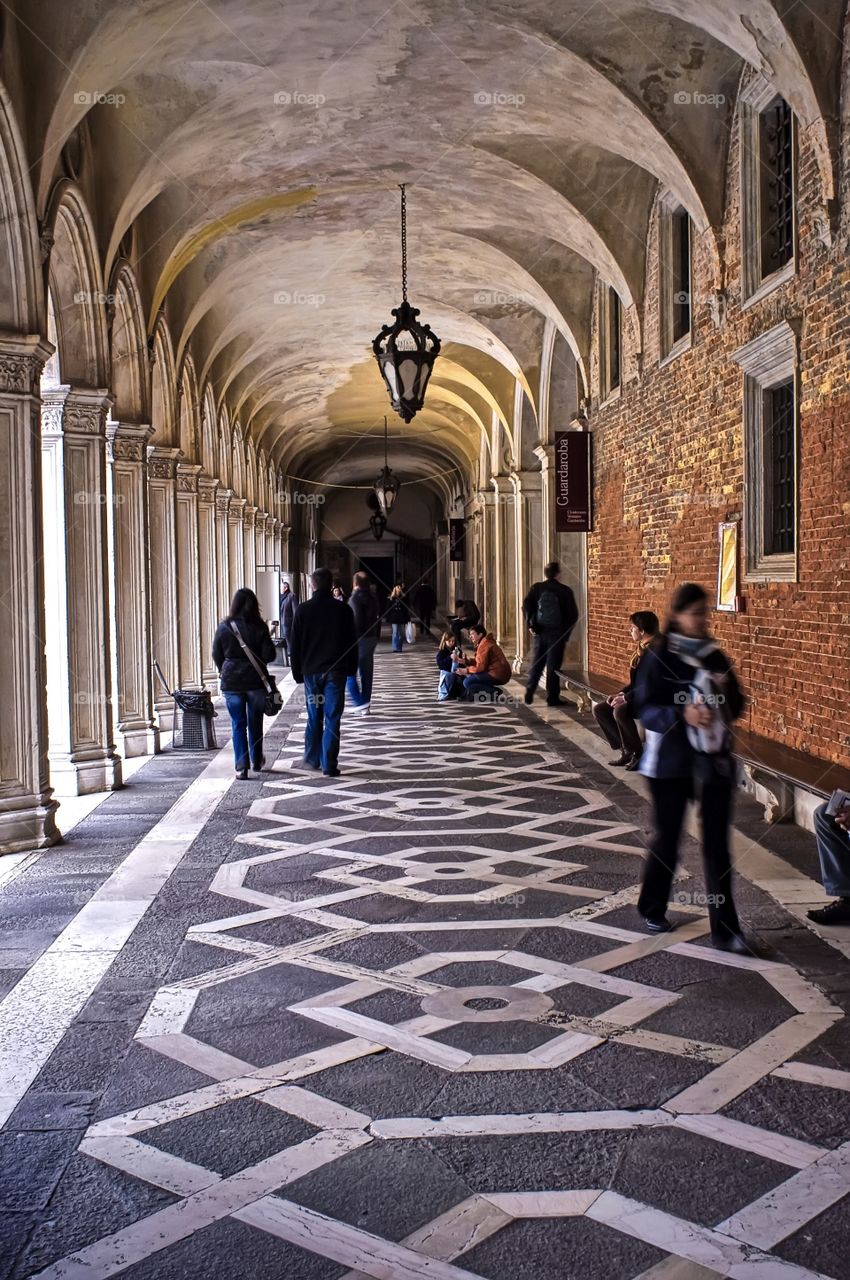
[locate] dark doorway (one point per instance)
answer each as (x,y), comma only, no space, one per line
(382,570)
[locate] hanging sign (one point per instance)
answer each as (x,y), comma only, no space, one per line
(457,539)
(572,482)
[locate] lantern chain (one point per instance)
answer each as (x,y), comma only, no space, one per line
(402,187)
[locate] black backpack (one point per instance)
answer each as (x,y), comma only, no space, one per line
(547,616)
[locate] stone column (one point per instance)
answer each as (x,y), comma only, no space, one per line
(79,679)
(208,567)
(188,576)
(546,454)
(27,809)
(127,445)
(529,547)
(505,561)
(284,553)
(489,603)
(249,532)
(162,505)
(236,543)
(222,558)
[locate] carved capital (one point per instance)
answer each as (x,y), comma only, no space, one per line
(207,489)
(187,477)
(222,500)
(21,362)
(127,442)
(162,463)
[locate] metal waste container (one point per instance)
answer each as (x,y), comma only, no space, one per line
(197,730)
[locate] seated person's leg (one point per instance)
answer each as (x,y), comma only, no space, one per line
(834,853)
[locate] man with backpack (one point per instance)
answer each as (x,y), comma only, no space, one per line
(551,613)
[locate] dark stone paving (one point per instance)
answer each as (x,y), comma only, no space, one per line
(381,1189)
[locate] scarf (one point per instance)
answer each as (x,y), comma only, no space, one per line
(716,739)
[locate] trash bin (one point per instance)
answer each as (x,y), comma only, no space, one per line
(197,729)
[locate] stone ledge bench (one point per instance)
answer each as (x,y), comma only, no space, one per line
(586,687)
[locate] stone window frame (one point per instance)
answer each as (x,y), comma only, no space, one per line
(607,393)
(753,100)
(668,206)
(767,361)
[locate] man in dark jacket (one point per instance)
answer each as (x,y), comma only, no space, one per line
(323,653)
(467,615)
(288,605)
(425,601)
(367,627)
(551,613)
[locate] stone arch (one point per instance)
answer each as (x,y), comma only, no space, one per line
(225,450)
(129,368)
(188,413)
(209,453)
(251,471)
(238,468)
(76,283)
(163,387)
(21,286)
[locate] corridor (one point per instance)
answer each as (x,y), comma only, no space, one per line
(403,1025)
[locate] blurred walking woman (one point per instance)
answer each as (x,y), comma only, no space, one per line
(687,697)
(397,615)
(241,682)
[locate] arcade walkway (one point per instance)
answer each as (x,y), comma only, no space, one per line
(402,1025)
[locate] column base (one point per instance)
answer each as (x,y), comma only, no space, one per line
(70,777)
(139,740)
(30,826)
(163,710)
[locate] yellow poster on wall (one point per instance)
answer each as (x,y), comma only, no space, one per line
(727,570)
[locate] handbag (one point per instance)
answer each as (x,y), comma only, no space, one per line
(410,632)
(274,697)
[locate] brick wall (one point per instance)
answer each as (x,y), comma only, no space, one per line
(669,467)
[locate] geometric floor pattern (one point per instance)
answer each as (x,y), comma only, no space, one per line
(423,1036)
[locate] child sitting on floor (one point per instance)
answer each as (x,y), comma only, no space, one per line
(447,664)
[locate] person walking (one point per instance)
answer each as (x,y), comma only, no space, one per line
(687,696)
(288,605)
(425,602)
(398,616)
(489,668)
(832,831)
(367,628)
(323,655)
(241,683)
(615,716)
(551,613)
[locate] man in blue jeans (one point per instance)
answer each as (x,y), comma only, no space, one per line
(367,626)
(322,655)
(833,837)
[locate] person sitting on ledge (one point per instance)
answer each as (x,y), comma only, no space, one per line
(615,716)
(489,669)
(833,837)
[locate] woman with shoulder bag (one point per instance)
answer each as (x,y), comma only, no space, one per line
(397,615)
(246,685)
(687,697)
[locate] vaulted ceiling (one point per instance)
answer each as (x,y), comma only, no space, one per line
(249,157)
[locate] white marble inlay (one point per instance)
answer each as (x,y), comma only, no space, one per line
(788,1207)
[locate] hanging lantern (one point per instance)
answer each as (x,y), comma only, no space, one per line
(406,350)
(387,485)
(377,523)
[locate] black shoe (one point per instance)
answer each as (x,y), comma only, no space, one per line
(633,764)
(736,944)
(258,768)
(622,759)
(331,773)
(559,702)
(529,697)
(837,912)
(658,924)
(242,775)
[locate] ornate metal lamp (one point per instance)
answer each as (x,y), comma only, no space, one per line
(406,350)
(377,523)
(387,485)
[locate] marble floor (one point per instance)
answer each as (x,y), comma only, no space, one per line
(404,1024)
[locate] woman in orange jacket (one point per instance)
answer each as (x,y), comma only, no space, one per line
(490,667)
